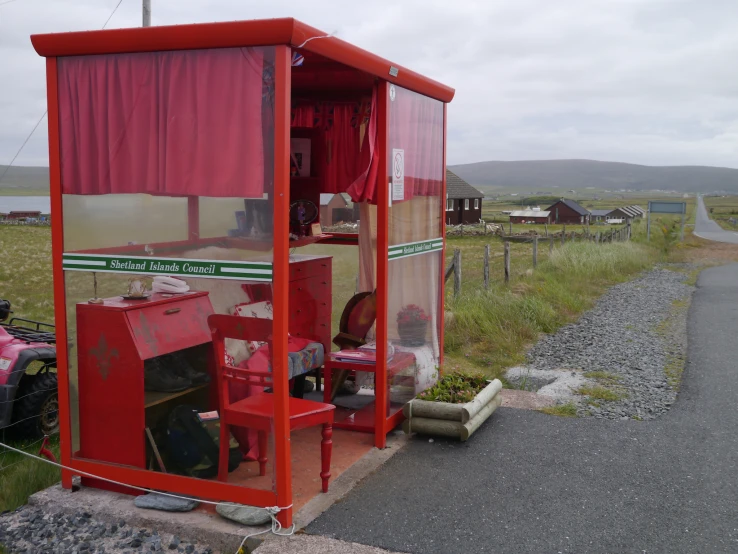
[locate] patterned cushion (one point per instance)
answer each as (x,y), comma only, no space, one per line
(307,359)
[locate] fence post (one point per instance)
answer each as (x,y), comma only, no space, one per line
(457,272)
(510,227)
(550,245)
(629,232)
(486,266)
(545,228)
(507,262)
(535,251)
(563,235)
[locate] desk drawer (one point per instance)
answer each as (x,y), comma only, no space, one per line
(311,295)
(164,328)
(310,268)
(320,331)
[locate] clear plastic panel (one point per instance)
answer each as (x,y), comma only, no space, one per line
(182,209)
(415,244)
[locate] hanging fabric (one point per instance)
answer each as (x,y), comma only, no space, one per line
(171,123)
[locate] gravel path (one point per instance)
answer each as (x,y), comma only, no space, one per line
(634,339)
(31,530)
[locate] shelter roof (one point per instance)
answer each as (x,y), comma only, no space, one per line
(234,34)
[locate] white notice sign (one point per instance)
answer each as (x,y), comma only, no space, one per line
(398,174)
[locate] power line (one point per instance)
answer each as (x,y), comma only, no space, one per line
(45,112)
(112,14)
(24,143)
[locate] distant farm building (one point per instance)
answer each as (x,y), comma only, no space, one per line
(463,201)
(530,216)
(335,208)
(598,216)
(627,213)
(568,211)
(23,215)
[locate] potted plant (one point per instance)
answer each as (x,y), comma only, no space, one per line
(412,324)
(455,407)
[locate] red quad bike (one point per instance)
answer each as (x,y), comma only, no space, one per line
(29,404)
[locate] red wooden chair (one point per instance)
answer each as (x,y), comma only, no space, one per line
(257,411)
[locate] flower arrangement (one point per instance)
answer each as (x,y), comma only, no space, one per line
(412,322)
(411,313)
(457,388)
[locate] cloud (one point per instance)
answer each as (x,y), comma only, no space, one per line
(644,81)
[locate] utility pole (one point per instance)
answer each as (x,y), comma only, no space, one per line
(147,13)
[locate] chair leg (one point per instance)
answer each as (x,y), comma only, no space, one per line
(327,383)
(262,453)
(326,446)
(223,449)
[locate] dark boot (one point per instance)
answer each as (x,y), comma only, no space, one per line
(160,378)
(182,367)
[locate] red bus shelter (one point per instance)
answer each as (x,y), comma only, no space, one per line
(199,152)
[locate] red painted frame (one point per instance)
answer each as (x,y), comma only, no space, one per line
(380,377)
(264,32)
(283,34)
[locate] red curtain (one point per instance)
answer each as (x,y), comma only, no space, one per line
(416,126)
(348,155)
(170,123)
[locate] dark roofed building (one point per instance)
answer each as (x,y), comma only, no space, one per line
(623,213)
(463,201)
(598,215)
(568,211)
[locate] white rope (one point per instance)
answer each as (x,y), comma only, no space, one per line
(272,510)
(276,529)
(313,38)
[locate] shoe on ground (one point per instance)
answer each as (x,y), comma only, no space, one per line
(160,378)
(181,367)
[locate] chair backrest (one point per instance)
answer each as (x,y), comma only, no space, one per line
(239,328)
(359,314)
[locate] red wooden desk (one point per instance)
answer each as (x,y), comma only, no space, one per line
(114,340)
(363,419)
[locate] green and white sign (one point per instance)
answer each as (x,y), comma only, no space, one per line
(667,207)
(142,265)
(397,251)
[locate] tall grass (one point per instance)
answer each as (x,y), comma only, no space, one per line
(490,329)
(20,477)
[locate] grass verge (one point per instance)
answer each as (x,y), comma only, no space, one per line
(491,329)
(20,477)
(562,410)
(600,393)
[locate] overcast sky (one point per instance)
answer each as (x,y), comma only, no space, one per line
(642,81)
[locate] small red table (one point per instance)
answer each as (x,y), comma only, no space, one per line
(363,419)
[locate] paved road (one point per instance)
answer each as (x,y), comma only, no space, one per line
(528,482)
(707,229)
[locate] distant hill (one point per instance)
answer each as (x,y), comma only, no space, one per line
(579,174)
(531,175)
(33,178)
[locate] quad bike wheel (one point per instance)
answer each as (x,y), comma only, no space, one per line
(37,407)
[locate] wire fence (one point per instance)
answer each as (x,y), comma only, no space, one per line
(454,268)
